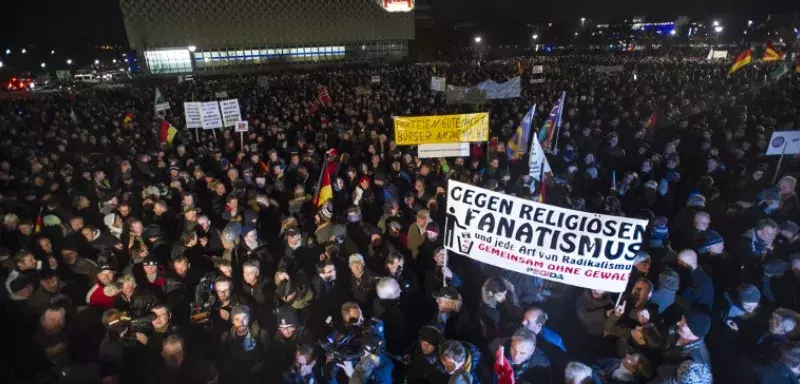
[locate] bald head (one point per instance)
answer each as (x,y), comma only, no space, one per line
(534,320)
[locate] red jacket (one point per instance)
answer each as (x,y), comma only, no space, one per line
(98,298)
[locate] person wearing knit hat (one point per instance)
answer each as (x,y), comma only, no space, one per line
(695,326)
(745,303)
(696,200)
(713,243)
(659,232)
(690,372)
(664,295)
(51,221)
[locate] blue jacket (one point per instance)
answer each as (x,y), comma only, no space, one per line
(701,290)
(553,338)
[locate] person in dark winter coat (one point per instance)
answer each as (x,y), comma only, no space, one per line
(178,366)
(455,321)
(700,290)
(243,348)
(500,309)
(425,356)
(528,363)
(307,368)
(455,358)
(362,282)
(784,370)
(397,328)
(290,335)
(592,307)
(684,341)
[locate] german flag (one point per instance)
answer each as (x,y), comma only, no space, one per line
(651,121)
(772,54)
(37,228)
(742,60)
(168,132)
(325,190)
(128,118)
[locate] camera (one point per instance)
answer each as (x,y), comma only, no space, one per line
(342,347)
(127,327)
(205,302)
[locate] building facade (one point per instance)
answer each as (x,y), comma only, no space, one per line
(210,36)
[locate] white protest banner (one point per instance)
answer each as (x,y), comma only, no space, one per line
(230,112)
(435,151)
(212,119)
(537,69)
(537,161)
(608,68)
(375,79)
(572,247)
(495,90)
(537,81)
(221,95)
(263,82)
(717,54)
(193,113)
(438,84)
(791,139)
(242,126)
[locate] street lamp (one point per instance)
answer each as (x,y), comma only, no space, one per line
(583,20)
(24,51)
(52,51)
(114,61)
(718,29)
(1,64)
(749,22)
(673,32)
(478,39)
(8,51)
(192,48)
(535,37)
(715,23)
(43,65)
(96,62)
(69,61)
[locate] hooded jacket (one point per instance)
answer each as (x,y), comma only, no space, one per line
(497,318)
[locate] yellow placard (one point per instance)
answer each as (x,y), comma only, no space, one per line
(468,127)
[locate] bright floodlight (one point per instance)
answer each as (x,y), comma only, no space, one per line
(69,61)
(52,51)
(673,32)
(96,61)
(114,61)
(8,51)
(535,36)
(1,64)
(24,51)
(749,22)
(716,23)
(478,39)
(192,48)
(718,29)
(583,20)
(43,65)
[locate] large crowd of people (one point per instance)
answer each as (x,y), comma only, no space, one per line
(126,259)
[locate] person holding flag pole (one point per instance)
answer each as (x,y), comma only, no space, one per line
(552,125)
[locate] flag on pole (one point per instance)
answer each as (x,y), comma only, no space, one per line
(322,95)
(742,60)
(73,117)
(502,368)
(520,67)
(797,65)
(168,132)
(128,118)
(772,54)
(517,146)
(37,228)
(161,103)
(651,121)
(552,123)
(780,72)
(325,190)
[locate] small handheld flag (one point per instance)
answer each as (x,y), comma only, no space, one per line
(167,132)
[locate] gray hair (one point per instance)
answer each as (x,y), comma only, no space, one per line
(388,288)
(641,257)
(577,372)
(453,350)
(524,335)
(252,263)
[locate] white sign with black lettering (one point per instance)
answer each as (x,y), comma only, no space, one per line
(572,247)
(242,126)
(230,112)
(435,151)
(221,95)
(375,79)
(438,84)
(212,119)
(194,115)
(537,69)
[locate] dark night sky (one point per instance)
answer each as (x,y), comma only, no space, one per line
(79,24)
